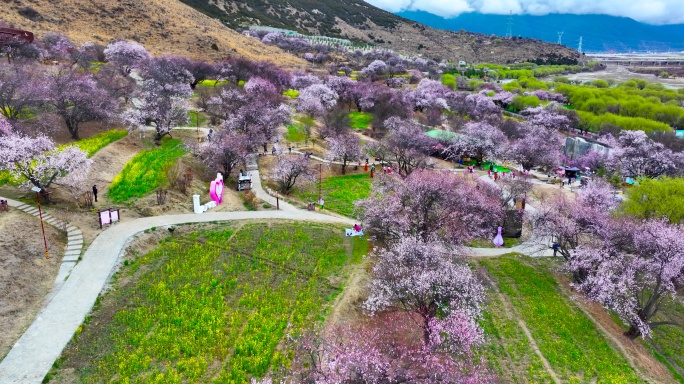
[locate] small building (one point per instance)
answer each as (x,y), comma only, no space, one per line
(576,147)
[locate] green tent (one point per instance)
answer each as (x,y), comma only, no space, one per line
(441,134)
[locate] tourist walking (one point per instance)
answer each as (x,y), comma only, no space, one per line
(95,192)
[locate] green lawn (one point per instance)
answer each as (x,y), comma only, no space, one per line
(486,164)
(508,351)
(360,120)
(575,349)
(295,133)
(214,306)
(146,171)
(339,192)
(192,119)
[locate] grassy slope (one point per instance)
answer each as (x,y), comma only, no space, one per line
(145,172)
(667,342)
(214,305)
(360,120)
(575,349)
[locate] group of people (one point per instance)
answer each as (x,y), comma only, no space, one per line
(3,205)
(497,176)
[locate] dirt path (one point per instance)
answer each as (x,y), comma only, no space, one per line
(512,313)
(639,358)
(345,307)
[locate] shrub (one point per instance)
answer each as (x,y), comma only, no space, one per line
(291,93)
(449,80)
(521,102)
(600,83)
(654,199)
(250,200)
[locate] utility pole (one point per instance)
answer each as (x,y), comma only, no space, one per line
(320,181)
(40,213)
(560,37)
(580,45)
(509,30)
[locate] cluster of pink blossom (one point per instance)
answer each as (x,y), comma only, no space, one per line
(405,146)
(632,270)
(345,148)
(226,152)
(255,111)
(384,350)
(37,161)
(430,203)
(548,96)
(289,169)
(477,140)
(316,99)
(636,155)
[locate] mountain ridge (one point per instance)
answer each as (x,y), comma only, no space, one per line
(364,23)
(600,33)
(162,26)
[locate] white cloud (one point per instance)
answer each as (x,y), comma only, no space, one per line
(648,11)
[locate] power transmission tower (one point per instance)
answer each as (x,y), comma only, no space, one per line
(560,37)
(509,30)
(580,45)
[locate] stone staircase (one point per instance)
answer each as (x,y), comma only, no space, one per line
(73,247)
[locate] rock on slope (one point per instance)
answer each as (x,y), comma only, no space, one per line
(162,26)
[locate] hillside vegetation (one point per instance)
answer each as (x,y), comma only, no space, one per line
(163,26)
(366,24)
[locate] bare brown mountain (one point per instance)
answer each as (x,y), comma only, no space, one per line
(162,26)
(364,23)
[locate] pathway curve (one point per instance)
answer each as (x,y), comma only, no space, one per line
(31,357)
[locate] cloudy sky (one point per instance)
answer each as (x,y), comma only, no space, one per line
(648,11)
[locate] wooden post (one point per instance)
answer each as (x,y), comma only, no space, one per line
(277,202)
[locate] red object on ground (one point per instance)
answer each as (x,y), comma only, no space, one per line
(8,33)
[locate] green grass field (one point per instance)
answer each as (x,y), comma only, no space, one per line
(360,120)
(146,171)
(94,143)
(667,342)
(192,119)
(575,349)
(295,133)
(508,351)
(214,306)
(486,164)
(339,192)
